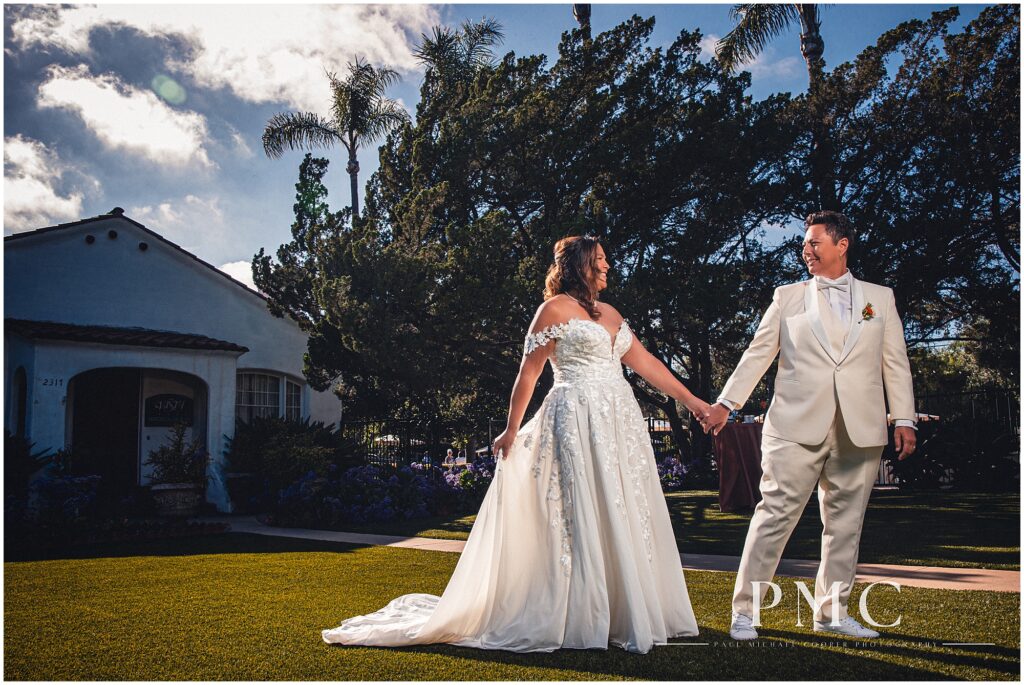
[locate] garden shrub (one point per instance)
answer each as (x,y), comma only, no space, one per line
(362,494)
(278,452)
(375,494)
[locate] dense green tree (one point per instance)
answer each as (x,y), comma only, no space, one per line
(954,368)
(289,284)
(928,166)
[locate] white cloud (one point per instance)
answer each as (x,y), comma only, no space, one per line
(707,45)
(261,53)
(241,147)
(240,271)
(763,65)
(195,223)
(31,172)
(162,215)
(410,109)
(126,118)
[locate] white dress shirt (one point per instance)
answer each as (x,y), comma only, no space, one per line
(837,294)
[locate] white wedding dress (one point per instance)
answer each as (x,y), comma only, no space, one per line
(572,546)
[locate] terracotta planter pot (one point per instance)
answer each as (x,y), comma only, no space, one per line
(177,499)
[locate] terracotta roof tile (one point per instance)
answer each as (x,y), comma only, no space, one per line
(111,335)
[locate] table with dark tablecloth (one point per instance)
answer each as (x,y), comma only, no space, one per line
(737,450)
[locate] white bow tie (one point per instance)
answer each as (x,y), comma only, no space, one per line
(843,286)
(842,283)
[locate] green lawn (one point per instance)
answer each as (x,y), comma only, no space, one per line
(968,530)
(243,607)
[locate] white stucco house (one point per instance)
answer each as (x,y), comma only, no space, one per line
(113,333)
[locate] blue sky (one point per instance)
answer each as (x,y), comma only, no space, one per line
(159,109)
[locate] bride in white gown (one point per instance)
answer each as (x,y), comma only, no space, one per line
(572,546)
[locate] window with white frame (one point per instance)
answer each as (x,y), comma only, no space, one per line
(292,400)
(265,394)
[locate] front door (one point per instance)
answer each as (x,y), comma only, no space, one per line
(105,426)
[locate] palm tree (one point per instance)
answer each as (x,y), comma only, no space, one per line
(756,25)
(581,13)
(451,55)
(360,113)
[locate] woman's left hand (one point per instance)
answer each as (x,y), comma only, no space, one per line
(503,443)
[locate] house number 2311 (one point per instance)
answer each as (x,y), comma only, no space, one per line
(56,382)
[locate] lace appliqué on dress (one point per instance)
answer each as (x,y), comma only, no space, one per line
(638,447)
(557,447)
(544,336)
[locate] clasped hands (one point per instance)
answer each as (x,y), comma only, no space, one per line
(712,417)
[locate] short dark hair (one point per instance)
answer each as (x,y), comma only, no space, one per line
(836,225)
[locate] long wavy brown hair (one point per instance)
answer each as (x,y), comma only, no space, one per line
(574,272)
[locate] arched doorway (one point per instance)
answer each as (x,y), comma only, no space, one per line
(119,415)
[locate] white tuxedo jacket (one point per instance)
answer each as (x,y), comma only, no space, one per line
(818,373)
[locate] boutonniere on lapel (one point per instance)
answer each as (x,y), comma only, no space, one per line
(867,313)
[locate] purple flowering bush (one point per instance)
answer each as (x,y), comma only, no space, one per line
(671,472)
(468,487)
(58,510)
(268,454)
(65,502)
(362,494)
(374,494)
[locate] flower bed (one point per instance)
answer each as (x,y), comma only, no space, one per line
(370,494)
(374,494)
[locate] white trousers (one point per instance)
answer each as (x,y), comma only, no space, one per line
(844,474)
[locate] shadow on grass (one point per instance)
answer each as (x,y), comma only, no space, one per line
(220,543)
(936,528)
(455,526)
(995,657)
(688,659)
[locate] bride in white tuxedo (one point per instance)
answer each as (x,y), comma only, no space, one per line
(572,546)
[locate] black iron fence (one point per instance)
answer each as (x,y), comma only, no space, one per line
(396,442)
(997,406)
(968,439)
(390,442)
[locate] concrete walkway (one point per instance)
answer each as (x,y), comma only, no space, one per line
(938,577)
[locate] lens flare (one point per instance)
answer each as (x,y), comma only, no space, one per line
(168,89)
